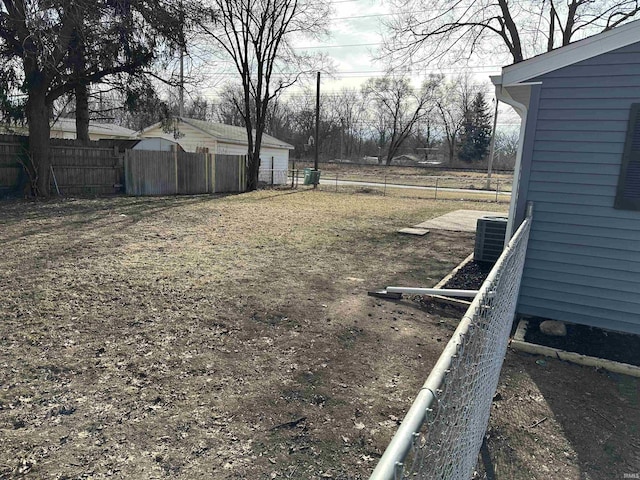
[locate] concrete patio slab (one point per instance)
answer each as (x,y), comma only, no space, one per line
(458,221)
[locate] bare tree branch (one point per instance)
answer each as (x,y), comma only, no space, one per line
(433,31)
(255,36)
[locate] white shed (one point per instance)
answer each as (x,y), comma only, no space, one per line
(66,128)
(202,136)
(157,144)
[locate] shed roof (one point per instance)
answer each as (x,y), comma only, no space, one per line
(584,49)
(69,125)
(230,133)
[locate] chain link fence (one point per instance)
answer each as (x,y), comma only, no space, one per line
(274,176)
(438,187)
(441,435)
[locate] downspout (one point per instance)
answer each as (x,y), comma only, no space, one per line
(521,109)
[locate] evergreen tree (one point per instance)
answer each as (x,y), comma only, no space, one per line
(476,131)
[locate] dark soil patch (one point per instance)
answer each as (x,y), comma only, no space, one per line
(469,277)
(591,341)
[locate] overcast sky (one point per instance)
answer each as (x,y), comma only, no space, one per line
(356,30)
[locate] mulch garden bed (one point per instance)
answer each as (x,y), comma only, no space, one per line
(581,339)
(590,341)
(470,276)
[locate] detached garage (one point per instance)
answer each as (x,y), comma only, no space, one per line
(201,136)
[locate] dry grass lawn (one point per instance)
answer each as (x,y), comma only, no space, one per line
(204,337)
(232,338)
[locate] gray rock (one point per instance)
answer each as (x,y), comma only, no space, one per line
(553,328)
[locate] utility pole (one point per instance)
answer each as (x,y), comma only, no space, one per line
(181,93)
(315,163)
(341,137)
(181,100)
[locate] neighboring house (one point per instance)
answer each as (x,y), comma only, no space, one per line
(579,163)
(201,136)
(66,128)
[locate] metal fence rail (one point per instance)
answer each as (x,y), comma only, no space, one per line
(441,435)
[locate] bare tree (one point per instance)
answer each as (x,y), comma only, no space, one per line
(397,107)
(348,106)
(506,147)
(256,36)
(430,31)
(453,101)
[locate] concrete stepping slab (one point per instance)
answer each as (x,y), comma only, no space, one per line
(414,231)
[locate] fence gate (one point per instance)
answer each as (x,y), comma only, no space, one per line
(150,173)
(12,152)
(229,173)
(78,170)
(193,169)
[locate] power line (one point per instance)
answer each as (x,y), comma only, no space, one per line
(339,46)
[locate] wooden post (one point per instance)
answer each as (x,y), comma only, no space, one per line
(213,173)
(175,160)
(127,172)
(205,158)
(272,166)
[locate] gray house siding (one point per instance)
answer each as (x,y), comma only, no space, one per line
(583,261)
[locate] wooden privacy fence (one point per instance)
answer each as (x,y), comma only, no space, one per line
(178,173)
(76,168)
(12,154)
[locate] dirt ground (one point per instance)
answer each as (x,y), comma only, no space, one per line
(555,420)
(232,338)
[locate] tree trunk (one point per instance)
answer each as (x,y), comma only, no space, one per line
(515,46)
(38,112)
(82,112)
(253,170)
(389,159)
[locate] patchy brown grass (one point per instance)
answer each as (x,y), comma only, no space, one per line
(232,338)
(204,337)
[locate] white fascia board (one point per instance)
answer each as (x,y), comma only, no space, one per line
(517,96)
(584,49)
